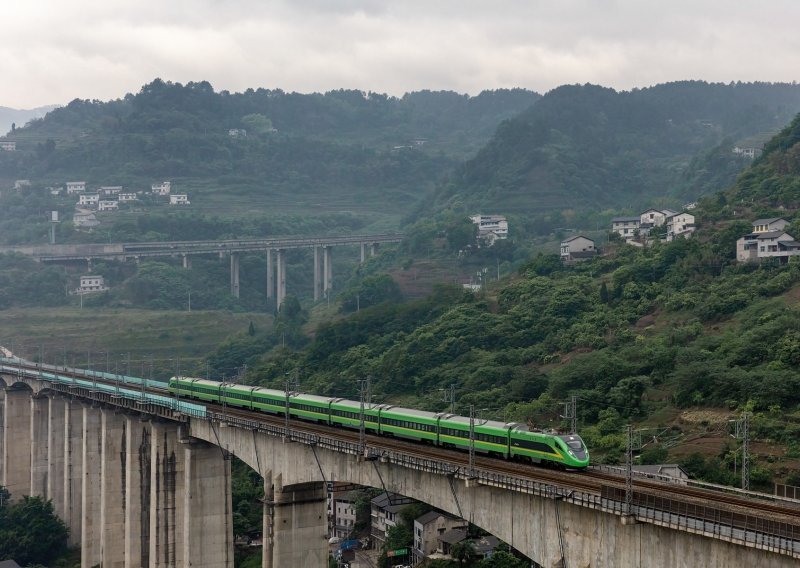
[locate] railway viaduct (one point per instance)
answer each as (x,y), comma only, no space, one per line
(275,249)
(144,481)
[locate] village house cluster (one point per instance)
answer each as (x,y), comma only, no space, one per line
(108,198)
(491,228)
(435,533)
(637,228)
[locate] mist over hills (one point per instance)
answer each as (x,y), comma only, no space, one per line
(20,117)
(584,146)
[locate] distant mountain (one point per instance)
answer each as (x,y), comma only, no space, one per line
(589,147)
(20,117)
(342,150)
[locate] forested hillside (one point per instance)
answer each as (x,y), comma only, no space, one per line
(589,147)
(656,335)
(342,150)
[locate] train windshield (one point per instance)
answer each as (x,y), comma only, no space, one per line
(574,443)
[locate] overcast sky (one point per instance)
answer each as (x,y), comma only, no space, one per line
(53,51)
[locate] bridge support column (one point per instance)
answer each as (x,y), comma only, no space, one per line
(40,414)
(301,526)
(208,509)
(112,490)
(235,274)
(55,454)
(317,276)
(270,276)
(327,270)
(363,253)
(73,470)
(373,249)
(267,534)
(91,526)
(166,497)
(281,292)
(187,262)
(137,492)
(2,436)
(17,443)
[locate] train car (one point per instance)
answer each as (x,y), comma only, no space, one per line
(409,423)
(347,413)
(310,407)
(491,436)
(537,447)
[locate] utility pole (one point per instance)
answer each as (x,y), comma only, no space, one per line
(362,431)
(288,408)
(571,414)
(743,432)
(450,396)
(472,440)
(629,472)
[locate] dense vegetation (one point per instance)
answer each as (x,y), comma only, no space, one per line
(584,147)
(342,150)
(30,531)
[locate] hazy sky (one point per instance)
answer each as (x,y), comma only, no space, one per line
(53,51)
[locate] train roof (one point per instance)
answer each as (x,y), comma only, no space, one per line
(198,381)
(463,420)
(390,409)
(309,397)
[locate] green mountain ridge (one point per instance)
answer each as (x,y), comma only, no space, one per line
(590,147)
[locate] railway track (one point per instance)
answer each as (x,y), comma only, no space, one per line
(588,481)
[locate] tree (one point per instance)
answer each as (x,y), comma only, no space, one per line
(463,551)
(30,531)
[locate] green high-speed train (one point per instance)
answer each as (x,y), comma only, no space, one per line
(506,440)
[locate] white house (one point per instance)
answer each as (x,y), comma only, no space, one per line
(427,530)
(490,227)
(109,190)
(76,187)
(107,205)
(8,145)
(344,516)
(577,248)
(653,217)
(20,183)
(125,197)
(92,283)
(771,244)
(626,227)
(384,514)
(237,133)
(179,199)
(162,188)
(88,199)
(84,219)
(680,225)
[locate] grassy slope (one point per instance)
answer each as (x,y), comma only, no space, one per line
(160,334)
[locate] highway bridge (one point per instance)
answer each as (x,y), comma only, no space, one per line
(143,479)
(273,247)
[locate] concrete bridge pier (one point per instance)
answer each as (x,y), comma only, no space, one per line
(112,489)
(91,525)
(327,270)
(17,442)
(39,425)
(235,274)
(166,497)
(373,249)
(208,507)
(363,257)
(317,276)
(300,525)
(281,270)
(187,262)
(267,535)
(137,492)
(270,276)
(55,454)
(73,470)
